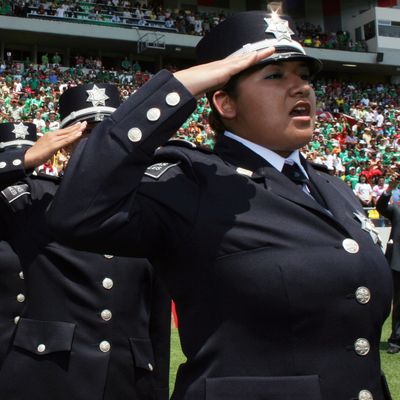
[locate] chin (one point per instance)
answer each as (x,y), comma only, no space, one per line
(302,139)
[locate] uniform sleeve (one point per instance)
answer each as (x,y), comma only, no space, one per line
(103,203)
(12,167)
(14,200)
(383,206)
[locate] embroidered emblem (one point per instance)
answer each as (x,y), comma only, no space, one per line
(13,193)
(97,96)
(157,170)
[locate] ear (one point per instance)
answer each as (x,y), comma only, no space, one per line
(225,105)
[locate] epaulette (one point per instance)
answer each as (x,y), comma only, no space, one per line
(157,170)
(181,143)
(188,145)
(320,167)
(43,176)
(14,192)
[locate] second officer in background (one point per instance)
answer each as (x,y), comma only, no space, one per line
(89,330)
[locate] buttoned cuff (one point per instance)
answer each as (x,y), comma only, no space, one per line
(12,166)
(153,114)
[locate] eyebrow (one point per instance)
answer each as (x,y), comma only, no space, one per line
(280,63)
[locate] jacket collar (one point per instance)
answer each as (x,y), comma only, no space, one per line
(242,158)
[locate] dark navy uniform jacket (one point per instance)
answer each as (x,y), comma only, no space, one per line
(12,287)
(277,298)
(94,326)
(392,212)
(12,295)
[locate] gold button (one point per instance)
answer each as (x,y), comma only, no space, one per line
(106,315)
(41,348)
(365,395)
(107,283)
(172,99)
(21,298)
(153,114)
(105,346)
(134,135)
(351,246)
(363,295)
(362,346)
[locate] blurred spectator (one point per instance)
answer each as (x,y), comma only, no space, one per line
(363,191)
(56,60)
(45,60)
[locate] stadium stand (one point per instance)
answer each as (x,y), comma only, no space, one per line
(126,14)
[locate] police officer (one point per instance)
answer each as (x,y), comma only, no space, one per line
(88,329)
(12,287)
(392,212)
(280,283)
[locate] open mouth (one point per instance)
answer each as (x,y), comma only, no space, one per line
(301,109)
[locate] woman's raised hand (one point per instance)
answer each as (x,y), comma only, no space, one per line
(207,77)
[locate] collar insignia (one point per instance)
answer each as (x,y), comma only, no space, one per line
(20,131)
(368,226)
(97,96)
(279,27)
(243,171)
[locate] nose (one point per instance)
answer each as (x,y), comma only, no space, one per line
(299,87)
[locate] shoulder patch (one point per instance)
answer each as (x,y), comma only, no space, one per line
(157,170)
(13,193)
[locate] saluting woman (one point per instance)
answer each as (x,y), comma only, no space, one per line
(279,279)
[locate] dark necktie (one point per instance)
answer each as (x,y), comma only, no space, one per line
(296,175)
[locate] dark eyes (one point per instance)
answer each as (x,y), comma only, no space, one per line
(306,77)
(276,75)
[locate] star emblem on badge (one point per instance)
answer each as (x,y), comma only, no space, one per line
(368,226)
(97,96)
(279,27)
(20,131)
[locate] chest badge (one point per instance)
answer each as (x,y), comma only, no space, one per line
(368,226)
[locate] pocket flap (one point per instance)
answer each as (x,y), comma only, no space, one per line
(44,337)
(143,353)
(264,388)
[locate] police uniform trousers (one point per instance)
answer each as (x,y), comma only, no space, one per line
(277,298)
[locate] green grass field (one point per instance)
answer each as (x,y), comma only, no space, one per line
(390,362)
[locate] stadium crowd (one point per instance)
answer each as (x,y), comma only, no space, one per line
(144,13)
(357,135)
(312,36)
(123,13)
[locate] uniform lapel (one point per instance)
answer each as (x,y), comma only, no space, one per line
(335,201)
(239,156)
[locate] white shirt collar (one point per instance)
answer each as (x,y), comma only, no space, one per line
(273,158)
